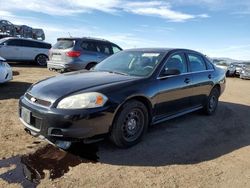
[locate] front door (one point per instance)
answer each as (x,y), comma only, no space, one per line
(174,90)
(11,49)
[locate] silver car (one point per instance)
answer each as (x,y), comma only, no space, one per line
(5,71)
(70,54)
(245,72)
(238,68)
(20,49)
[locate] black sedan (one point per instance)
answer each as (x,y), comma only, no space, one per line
(121,96)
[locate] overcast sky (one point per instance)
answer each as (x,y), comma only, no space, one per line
(218,28)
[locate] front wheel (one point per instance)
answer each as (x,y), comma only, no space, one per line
(41,60)
(130,124)
(212,102)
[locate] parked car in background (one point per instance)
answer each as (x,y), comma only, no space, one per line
(231,69)
(238,68)
(121,96)
(70,54)
(223,67)
(38,34)
(20,49)
(7,28)
(4,35)
(24,31)
(245,72)
(5,71)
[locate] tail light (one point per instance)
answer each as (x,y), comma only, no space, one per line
(73,53)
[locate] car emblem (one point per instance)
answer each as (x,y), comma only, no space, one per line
(33,99)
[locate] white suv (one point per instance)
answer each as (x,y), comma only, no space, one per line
(20,49)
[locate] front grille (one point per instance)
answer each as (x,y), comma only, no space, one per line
(37,101)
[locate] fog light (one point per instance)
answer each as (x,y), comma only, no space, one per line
(63,144)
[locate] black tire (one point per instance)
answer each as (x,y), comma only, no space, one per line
(130,124)
(212,102)
(90,65)
(41,60)
(227,74)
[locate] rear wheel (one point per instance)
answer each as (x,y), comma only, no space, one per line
(212,102)
(41,60)
(130,124)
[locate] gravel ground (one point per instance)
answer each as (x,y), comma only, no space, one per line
(191,151)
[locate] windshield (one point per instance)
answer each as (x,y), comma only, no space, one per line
(63,44)
(134,63)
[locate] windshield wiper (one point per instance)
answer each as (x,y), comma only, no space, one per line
(115,72)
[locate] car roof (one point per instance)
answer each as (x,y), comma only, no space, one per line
(161,50)
(7,38)
(83,38)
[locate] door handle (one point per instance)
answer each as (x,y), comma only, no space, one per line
(187,80)
(209,76)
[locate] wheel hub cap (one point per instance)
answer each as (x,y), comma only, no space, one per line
(131,124)
(212,102)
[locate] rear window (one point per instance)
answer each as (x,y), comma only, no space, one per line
(64,44)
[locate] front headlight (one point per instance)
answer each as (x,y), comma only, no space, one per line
(83,100)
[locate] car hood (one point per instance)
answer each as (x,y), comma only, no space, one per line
(56,87)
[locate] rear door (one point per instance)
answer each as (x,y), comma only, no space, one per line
(29,50)
(202,74)
(174,90)
(89,51)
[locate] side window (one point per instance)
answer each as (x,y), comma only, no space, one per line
(38,44)
(88,46)
(197,63)
(103,48)
(176,61)
(115,49)
(14,43)
(209,64)
(27,43)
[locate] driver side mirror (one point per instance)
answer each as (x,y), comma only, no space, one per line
(169,72)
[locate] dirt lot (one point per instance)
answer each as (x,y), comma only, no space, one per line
(191,151)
